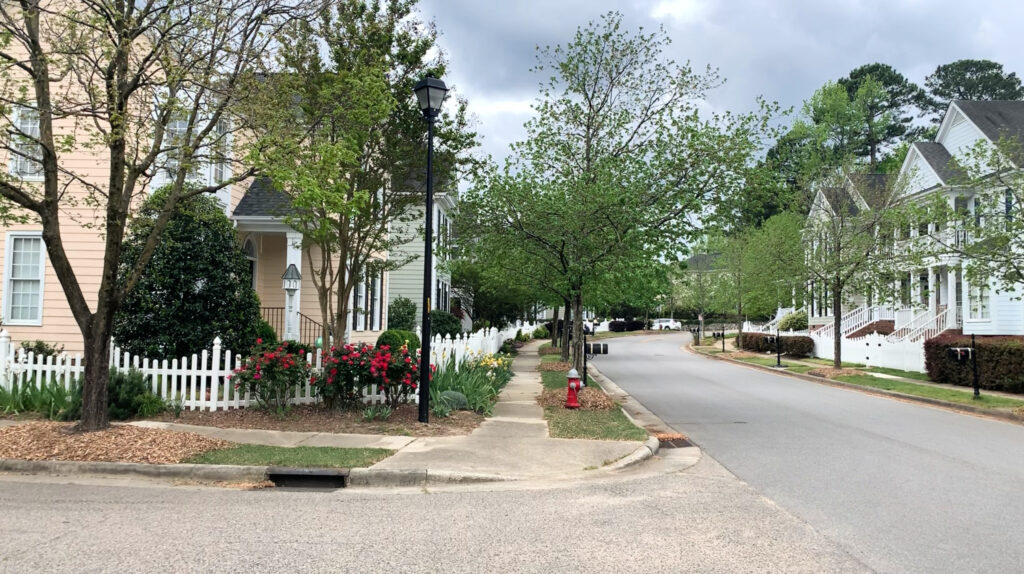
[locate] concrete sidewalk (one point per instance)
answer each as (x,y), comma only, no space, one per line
(512,445)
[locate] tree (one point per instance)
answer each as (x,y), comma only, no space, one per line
(773,259)
(990,240)
(346,140)
(148,88)
(618,164)
(969,80)
(850,240)
(886,100)
(196,287)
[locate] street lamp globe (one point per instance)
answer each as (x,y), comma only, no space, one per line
(430,92)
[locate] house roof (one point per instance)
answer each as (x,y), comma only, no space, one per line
(996,118)
(873,188)
(840,198)
(262,199)
(938,159)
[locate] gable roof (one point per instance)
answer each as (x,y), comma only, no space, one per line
(873,188)
(996,118)
(262,199)
(939,160)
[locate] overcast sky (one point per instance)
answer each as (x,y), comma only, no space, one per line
(780,49)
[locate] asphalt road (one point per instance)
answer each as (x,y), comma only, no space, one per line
(900,486)
(698,520)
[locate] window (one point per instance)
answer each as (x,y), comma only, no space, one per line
(978,297)
(23,284)
(249,248)
(26,151)
(220,155)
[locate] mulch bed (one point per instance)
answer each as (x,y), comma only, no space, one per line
(121,443)
(591,399)
(550,351)
(316,418)
(833,373)
(554,367)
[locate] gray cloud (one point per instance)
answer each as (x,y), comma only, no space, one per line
(782,50)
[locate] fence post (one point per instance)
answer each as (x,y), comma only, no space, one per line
(5,356)
(216,378)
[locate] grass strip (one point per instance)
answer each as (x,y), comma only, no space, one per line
(965,397)
(558,380)
(766,362)
(801,368)
(609,424)
(828,363)
(899,373)
(298,456)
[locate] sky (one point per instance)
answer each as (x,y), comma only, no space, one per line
(782,50)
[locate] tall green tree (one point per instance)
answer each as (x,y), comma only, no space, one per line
(969,80)
(618,164)
(345,139)
(888,107)
(196,287)
(149,88)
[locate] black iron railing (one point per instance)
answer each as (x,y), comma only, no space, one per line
(309,330)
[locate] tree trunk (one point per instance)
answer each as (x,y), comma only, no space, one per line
(554,329)
(97,374)
(577,333)
(837,320)
(565,331)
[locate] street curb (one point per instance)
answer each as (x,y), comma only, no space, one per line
(368,477)
(206,472)
(966,409)
(641,454)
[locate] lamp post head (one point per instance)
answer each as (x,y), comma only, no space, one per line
(430,92)
(292,279)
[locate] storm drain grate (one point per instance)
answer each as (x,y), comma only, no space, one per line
(308,478)
(674,443)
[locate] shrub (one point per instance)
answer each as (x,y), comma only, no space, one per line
(617,326)
(541,333)
(402,314)
(148,405)
(51,400)
(455,400)
(1000,362)
(444,323)
(796,321)
(125,390)
(634,325)
(480,324)
(478,380)
(395,338)
(265,332)
(272,373)
(195,288)
(794,346)
(42,349)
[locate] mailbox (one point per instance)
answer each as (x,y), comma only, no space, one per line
(596,348)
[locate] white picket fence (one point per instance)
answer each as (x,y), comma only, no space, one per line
(202,381)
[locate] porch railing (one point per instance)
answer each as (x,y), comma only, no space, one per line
(309,330)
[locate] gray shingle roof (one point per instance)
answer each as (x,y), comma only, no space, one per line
(873,188)
(996,118)
(939,159)
(263,200)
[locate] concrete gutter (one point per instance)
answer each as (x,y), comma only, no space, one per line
(966,409)
(228,473)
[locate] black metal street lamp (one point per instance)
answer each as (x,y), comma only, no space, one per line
(430,92)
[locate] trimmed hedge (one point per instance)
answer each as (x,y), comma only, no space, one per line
(1000,362)
(395,338)
(794,346)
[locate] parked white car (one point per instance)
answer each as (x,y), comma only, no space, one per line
(667,325)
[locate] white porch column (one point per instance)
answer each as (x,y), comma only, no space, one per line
(951,276)
(933,294)
(293,256)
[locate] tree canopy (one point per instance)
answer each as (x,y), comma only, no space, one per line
(969,80)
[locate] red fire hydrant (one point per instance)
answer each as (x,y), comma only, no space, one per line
(572,400)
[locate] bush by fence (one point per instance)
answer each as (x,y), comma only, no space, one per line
(792,345)
(1000,362)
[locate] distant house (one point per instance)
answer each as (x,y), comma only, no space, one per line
(938,296)
(407,280)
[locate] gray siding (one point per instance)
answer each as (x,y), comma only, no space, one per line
(407,280)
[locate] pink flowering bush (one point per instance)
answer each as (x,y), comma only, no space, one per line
(272,373)
(347,369)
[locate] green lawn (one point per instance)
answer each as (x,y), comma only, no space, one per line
(828,363)
(965,397)
(591,424)
(299,456)
(550,358)
(558,380)
(800,368)
(766,362)
(899,373)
